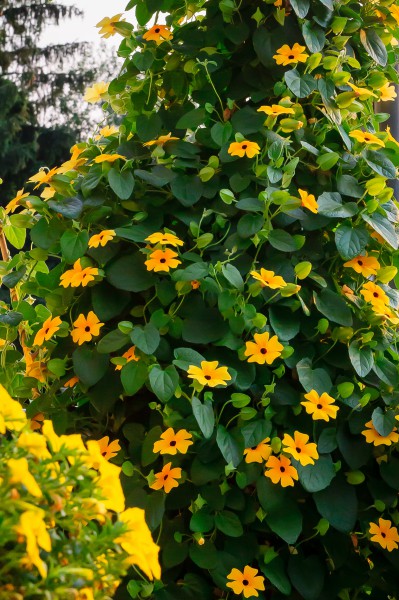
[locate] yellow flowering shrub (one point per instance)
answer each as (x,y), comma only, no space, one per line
(64,530)
(213,282)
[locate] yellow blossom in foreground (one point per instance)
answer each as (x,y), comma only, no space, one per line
(388,92)
(138,543)
(287,56)
(12,415)
(300,448)
(275,110)
(365,265)
(269,279)
(33,528)
(34,443)
(245,148)
(158,34)
(101,158)
(107,25)
(280,470)
(246,582)
(320,407)
(102,238)
(16,201)
(308,201)
(94,94)
(209,373)
(394,10)
(364,137)
(47,330)
(264,349)
(373,437)
(167,478)
(19,470)
(86,328)
(161,140)
(164,238)
(384,534)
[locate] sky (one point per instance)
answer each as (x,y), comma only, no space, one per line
(84,29)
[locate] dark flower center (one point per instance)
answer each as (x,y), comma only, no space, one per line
(157,30)
(162,260)
(298,450)
(172,443)
(366,138)
(87,328)
(46,330)
(254,447)
(207,377)
(244,146)
(383,535)
(245,582)
(360,263)
(165,477)
(319,406)
(291,56)
(263,351)
(375,294)
(282,469)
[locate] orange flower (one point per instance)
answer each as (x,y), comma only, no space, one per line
(94,94)
(102,238)
(158,34)
(78,275)
(299,448)
(161,140)
(129,355)
(34,368)
(308,201)
(107,25)
(43,176)
(164,239)
(86,328)
(287,56)
(275,110)
(364,137)
(281,471)
(264,349)
(320,407)
(247,582)
(172,443)
(16,201)
(384,534)
(108,450)
(269,279)
(71,382)
(258,453)
(48,329)
(167,478)
(195,284)
(244,148)
(374,294)
(365,265)
(162,260)
(209,373)
(373,437)
(36,422)
(108,158)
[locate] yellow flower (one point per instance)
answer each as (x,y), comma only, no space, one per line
(164,239)
(308,201)
(388,92)
(300,449)
(167,478)
(48,329)
(138,543)
(16,201)
(43,176)
(162,260)
(20,473)
(390,139)
(108,450)
(73,162)
(158,34)
(93,94)
(161,140)
(320,407)
(86,328)
(48,193)
(33,528)
(209,373)
(109,483)
(102,238)
(35,443)
(394,10)
(281,471)
(375,294)
(373,437)
(275,110)
(247,582)
(287,56)
(361,93)
(11,412)
(172,443)
(364,137)
(107,131)
(78,275)
(269,279)
(258,453)
(34,368)
(365,265)
(108,158)
(264,349)
(384,534)
(107,25)
(129,355)
(244,148)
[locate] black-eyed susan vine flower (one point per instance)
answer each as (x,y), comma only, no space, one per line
(165,239)
(387,92)
(102,238)
(95,93)
(374,294)
(258,453)
(365,137)
(246,582)
(244,148)
(70,383)
(78,275)
(167,479)
(158,34)
(275,110)
(172,442)
(16,201)
(361,92)
(280,471)
(109,158)
(209,373)
(162,260)
(364,264)
(321,407)
(43,176)
(107,25)
(47,330)
(86,328)
(106,132)
(385,534)
(161,140)
(308,201)
(300,448)
(373,437)
(108,449)
(268,279)
(129,355)
(264,349)
(287,56)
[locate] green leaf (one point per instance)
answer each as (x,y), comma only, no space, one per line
(89,365)
(186,357)
(301,9)
(74,244)
(328,160)
(330,205)
(384,422)
(192,119)
(387,371)
(228,446)
(248,225)
(247,120)
(313,35)
(307,576)
(204,416)
(384,227)
(147,455)
(334,307)
(350,241)
(121,182)
(92,179)
(379,163)
(197,270)
(349,186)
(164,382)
(15,235)
(228,523)
(202,521)
(233,276)
(129,273)
(283,241)
(133,376)
(114,340)
(318,476)
(148,127)
(11,318)
(286,324)
(374,46)
(221,133)
(362,358)
(255,432)
(187,189)
(338,504)
(71,208)
(300,86)
(146,338)
(317,379)
(154,510)
(203,325)
(205,557)
(285,520)
(275,573)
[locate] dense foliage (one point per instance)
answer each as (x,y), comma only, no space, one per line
(212,284)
